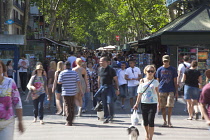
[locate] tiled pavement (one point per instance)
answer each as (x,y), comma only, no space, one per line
(88,127)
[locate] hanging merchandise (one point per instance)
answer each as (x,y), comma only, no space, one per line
(201,54)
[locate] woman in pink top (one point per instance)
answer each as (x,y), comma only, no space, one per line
(9,100)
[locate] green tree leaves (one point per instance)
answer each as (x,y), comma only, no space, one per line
(101,20)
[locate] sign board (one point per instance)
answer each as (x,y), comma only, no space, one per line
(9,21)
(169,2)
(117,38)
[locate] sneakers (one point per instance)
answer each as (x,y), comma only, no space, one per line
(84,110)
(196,116)
(123,106)
(106,121)
(131,110)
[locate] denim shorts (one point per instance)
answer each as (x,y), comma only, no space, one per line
(132,91)
(123,90)
(191,93)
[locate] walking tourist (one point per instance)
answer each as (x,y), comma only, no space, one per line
(133,75)
(50,78)
(23,66)
(122,83)
(84,84)
(71,58)
(10,69)
(10,101)
(193,80)
(86,96)
(93,81)
(149,97)
(38,86)
(70,82)
(205,100)
(167,76)
(57,89)
(181,70)
(106,76)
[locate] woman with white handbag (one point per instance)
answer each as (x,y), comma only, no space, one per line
(149,97)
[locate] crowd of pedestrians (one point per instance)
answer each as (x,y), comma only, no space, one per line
(105,77)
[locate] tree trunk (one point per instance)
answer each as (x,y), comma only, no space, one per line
(9,4)
(25,23)
(171,13)
(54,8)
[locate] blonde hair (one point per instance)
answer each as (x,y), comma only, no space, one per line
(60,66)
(79,61)
(53,65)
(38,63)
(149,66)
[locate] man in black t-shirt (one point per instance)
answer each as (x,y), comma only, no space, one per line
(106,76)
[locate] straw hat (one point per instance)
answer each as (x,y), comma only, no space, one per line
(39,67)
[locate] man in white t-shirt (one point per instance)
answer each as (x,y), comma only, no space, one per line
(133,75)
(23,66)
(122,83)
(71,58)
(181,69)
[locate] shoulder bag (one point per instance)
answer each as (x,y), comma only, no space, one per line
(148,85)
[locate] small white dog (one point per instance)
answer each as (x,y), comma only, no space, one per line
(133,133)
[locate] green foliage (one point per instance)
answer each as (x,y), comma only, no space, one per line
(93,20)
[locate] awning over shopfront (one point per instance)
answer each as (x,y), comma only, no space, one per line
(12,39)
(56,42)
(192,28)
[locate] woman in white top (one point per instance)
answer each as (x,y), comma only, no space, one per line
(149,97)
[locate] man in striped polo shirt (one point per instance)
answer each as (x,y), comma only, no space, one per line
(70,81)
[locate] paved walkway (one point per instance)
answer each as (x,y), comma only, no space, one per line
(88,127)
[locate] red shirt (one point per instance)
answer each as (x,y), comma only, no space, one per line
(205,97)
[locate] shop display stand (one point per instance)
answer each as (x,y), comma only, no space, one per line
(142,60)
(200,54)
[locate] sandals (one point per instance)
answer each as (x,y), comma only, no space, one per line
(41,122)
(35,120)
(59,112)
(164,124)
(170,125)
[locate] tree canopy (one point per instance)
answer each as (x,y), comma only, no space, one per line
(99,21)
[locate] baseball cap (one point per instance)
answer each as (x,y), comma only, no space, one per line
(166,58)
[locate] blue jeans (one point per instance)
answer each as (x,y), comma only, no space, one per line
(107,98)
(39,106)
(123,90)
(85,100)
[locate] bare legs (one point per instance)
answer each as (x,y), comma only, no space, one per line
(163,110)
(131,102)
(58,103)
(78,102)
(192,105)
(149,132)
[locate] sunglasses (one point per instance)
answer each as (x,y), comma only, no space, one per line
(150,71)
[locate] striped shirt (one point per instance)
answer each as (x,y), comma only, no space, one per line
(69,79)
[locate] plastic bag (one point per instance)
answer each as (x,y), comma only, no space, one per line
(134,118)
